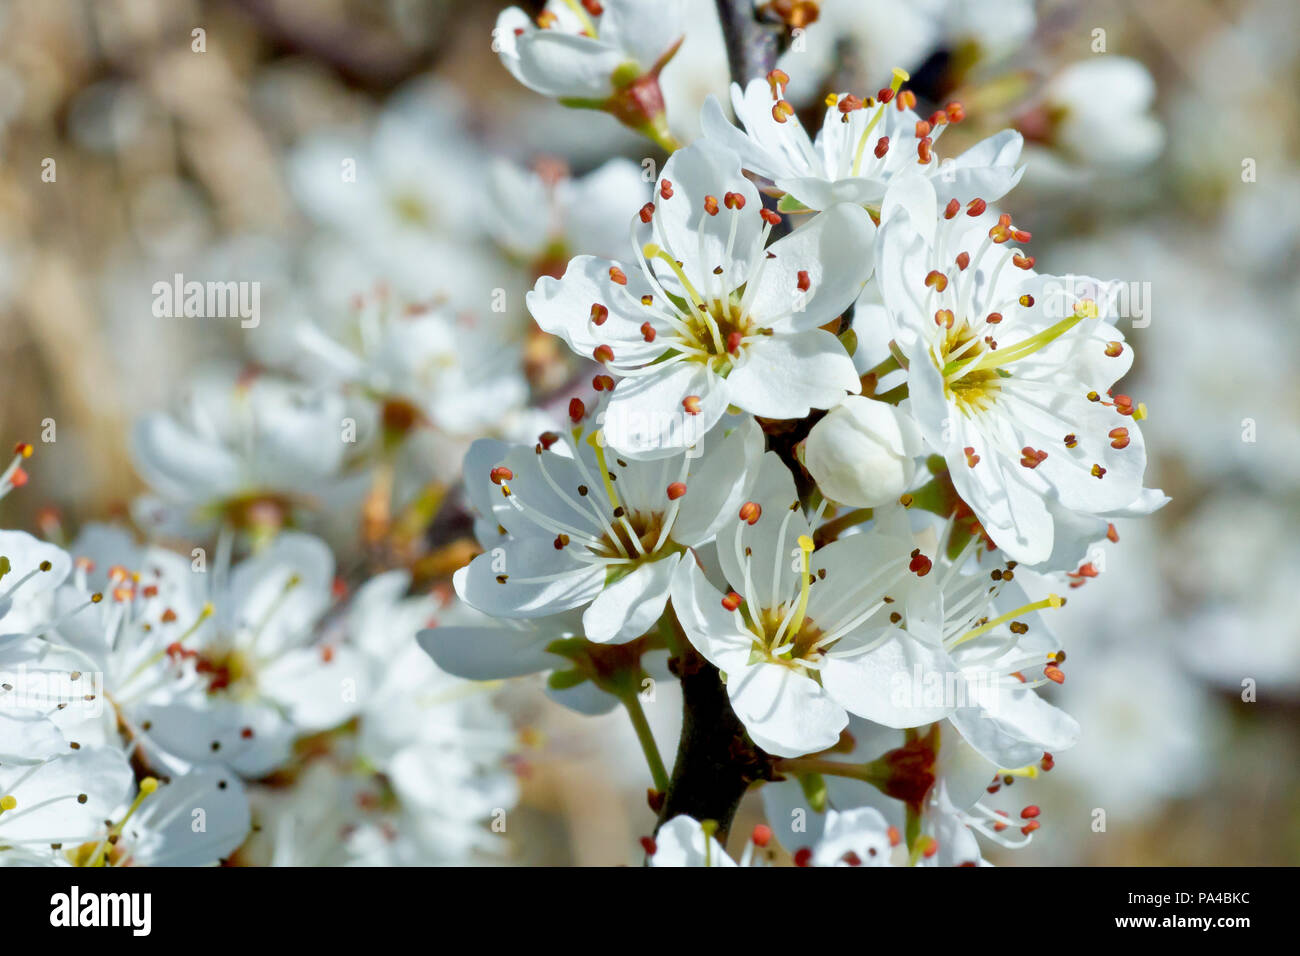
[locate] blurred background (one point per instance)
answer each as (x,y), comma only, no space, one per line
(144,138)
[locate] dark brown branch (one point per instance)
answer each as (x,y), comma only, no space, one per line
(752,47)
(716,762)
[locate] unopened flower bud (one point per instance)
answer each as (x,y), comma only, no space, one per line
(863,453)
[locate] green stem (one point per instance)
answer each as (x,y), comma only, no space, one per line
(831,768)
(831,529)
(632,704)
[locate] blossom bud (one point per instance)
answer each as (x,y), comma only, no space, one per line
(863,453)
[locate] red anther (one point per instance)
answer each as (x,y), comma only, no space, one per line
(972,459)
(944,318)
(1021,235)
(1026,300)
(733,201)
(519,31)
(803,857)
(603,353)
(1030,827)
(246,733)
(923,152)
(1001,231)
(599,314)
(603,383)
(804,283)
(931,847)
(885,94)
(1080,577)
(762,836)
(777,78)
(711,205)
(168,616)
(150,590)
(676,490)
(326,655)
(1029,812)
(922,129)
(770,217)
(666,188)
(848,103)
(648,844)
(895,837)
(733,341)
(1054,674)
(1111,534)
(647,212)
(1114,349)
(18,478)
(648,331)
(750,512)
(593,7)
(955,112)
(936,280)
(976,207)
(1123,404)
(1022,262)
(882,147)
(617,275)
(691,403)
(782,111)
(906,100)
(577,410)
(920,565)
(951,209)
(1071,440)
(937,118)
(1118,437)
(1097,471)
(1031,458)
(963,260)
(547,439)
(561,541)
(731,601)
(501,473)
(1048,761)
(993,318)
(24,449)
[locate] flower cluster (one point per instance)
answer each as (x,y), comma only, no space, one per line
(846,449)
(844,456)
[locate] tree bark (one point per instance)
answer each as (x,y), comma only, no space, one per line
(716,762)
(752,47)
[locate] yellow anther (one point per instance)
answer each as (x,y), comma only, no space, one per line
(8,802)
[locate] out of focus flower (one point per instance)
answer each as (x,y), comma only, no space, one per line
(238,452)
(1097,114)
(543,216)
